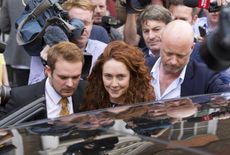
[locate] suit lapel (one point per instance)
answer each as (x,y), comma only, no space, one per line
(75,103)
(39,92)
(187,85)
(78,95)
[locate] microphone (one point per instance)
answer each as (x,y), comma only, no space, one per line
(54,35)
(205,4)
(197,3)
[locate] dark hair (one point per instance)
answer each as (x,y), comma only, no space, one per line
(140,89)
(155,12)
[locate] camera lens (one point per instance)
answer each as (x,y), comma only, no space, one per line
(4,94)
(79,27)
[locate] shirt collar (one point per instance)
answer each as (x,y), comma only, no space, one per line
(87,47)
(182,74)
(54,96)
(155,71)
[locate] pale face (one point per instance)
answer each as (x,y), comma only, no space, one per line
(65,77)
(100,10)
(116,77)
(87,17)
(151,31)
(182,12)
(213,17)
(174,57)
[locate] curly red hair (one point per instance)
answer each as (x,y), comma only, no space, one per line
(140,88)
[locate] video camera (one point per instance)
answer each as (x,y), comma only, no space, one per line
(134,6)
(213,7)
(109,21)
(36,17)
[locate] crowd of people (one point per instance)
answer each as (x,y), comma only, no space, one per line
(152,55)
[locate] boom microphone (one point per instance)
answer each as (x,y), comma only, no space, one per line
(54,35)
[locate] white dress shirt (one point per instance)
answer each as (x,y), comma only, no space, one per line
(52,101)
(95,48)
(173,90)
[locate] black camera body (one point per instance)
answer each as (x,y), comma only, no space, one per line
(213,7)
(134,6)
(109,21)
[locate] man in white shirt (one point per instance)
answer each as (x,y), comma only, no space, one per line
(64,65)
(174,73)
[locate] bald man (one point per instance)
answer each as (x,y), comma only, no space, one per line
(174,73)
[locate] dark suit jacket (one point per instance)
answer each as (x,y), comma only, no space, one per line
(21,96)
(149,59)
(199,79)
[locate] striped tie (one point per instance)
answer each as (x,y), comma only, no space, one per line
(64,107)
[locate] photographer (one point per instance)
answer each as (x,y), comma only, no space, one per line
(101,18)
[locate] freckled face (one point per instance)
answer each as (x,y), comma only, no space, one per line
(116,77)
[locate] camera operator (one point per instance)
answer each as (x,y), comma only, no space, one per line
(101,18)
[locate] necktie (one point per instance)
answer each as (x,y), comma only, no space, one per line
(64,107)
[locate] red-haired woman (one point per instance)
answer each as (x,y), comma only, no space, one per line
(119,77)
